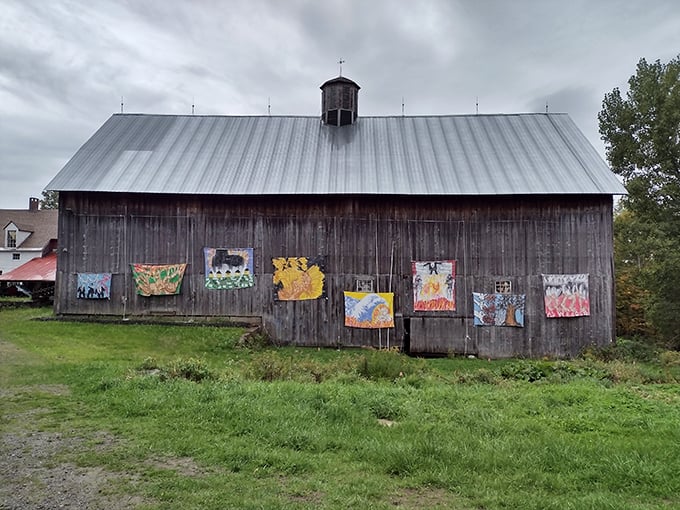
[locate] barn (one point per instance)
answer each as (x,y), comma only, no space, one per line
(487,235)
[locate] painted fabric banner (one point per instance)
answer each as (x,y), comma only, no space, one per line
(298,278)
(94,286)
(434,285)
(228,268)
(499,309)
(566,295)
(158,280)
(369,310)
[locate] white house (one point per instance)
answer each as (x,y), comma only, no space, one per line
(26,234)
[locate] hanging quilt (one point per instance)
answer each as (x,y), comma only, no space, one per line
(566,295)
(158,280)
(434,285)
(298,278)
(369,310)
(228,268)
(94,286)
(499,309)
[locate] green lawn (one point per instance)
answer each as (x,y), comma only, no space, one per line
(295,428)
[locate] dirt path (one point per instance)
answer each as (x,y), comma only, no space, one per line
(32,478)
(33,475)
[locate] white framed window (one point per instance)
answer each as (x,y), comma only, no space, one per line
(503,287)
(11,239)
(364,285)
(16,256)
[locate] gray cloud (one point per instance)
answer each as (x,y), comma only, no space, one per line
(65,64)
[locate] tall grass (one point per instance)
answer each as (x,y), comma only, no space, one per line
(298,428)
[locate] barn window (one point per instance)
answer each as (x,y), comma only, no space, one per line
(16,256)
(503,287)
(345,117)
(364,284)
(332,117)
(11,239)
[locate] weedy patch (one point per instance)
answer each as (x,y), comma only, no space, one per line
(255,339)
(390,365)
(191,369)
(623,350)
(272,365)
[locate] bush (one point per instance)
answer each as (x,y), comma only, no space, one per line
(525,370)
(574,369)
(532,371)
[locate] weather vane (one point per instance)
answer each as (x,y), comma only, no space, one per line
(341,61)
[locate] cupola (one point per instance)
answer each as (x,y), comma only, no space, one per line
(339,101)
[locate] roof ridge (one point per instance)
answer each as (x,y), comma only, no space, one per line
(295,116)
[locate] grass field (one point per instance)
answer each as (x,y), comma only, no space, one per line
(171,417)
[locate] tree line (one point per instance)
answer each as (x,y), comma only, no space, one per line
(641,131)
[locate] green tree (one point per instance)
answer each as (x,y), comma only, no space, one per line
(49,200)
(642,137)
(631,258)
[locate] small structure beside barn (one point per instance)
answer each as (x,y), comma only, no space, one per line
(477,234)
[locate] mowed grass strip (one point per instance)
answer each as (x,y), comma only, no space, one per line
(301,428)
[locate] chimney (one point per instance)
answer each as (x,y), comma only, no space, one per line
(339,101)
(33,204)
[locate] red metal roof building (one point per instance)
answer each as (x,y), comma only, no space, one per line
(42,269)
(26,234)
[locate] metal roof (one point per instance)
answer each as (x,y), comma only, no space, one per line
(516,154)
(40,269)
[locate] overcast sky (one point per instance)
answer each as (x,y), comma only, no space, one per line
(64,64)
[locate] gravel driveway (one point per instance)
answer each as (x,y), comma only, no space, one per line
(33,472)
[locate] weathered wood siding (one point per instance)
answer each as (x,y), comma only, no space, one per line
(491,238)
